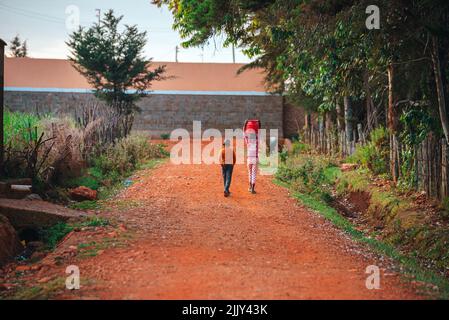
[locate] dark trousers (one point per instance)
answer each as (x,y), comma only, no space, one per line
(226,170)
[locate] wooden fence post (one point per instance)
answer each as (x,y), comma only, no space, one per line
(362,139)
(444,186)
(2,83)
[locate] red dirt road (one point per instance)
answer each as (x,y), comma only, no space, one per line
(192,243)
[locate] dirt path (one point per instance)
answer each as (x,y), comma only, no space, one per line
(192,243)
(189,242)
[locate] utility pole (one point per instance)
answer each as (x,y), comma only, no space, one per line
(233,53)
(202,55)
(176,53)
(2,85)
(98,15)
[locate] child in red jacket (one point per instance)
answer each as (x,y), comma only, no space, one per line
(227,161)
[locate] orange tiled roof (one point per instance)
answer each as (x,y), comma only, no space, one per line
(54,73)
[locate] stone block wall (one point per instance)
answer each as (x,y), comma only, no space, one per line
(162,113)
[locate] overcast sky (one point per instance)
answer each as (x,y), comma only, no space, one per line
(43,23)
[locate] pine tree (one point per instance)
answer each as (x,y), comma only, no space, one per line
(113,62)
(18,49)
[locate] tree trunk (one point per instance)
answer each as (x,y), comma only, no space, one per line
(340,118)
(340,127)
(348,123)
(444,171)
(321,121)
(330,131)
(308,127)
(361,134)
(392,126)
(440,86)
(371,117)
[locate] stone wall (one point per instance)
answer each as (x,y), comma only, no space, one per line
(162,113)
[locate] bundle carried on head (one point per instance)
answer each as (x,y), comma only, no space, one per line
(252,126)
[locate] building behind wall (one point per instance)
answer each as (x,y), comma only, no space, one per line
(212,93)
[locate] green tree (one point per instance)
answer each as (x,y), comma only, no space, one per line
(114,64)
(17,48)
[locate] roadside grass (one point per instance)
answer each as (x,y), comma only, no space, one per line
(43,291)
(86,205)
(108,192)
(410,266)
(93,248)
(401,220)
(94,221)
(151,164)
(52,235)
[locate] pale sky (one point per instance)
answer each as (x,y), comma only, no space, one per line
(43,24)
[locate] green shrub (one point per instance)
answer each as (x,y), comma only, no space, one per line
(283,155)
(96,221)
(287,174)
(126,155)
(96,173)
(20,126)
(354,181)
(85,205)
(299,147)
(51,236)
(294,137)
(309,175)
(21,134)
(165,136)
(332,172)
(373,155)
(158,151)
(86,181)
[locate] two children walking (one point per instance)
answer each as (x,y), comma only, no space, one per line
(228,158)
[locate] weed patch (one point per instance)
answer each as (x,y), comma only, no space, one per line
(51,236)
(39,291)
